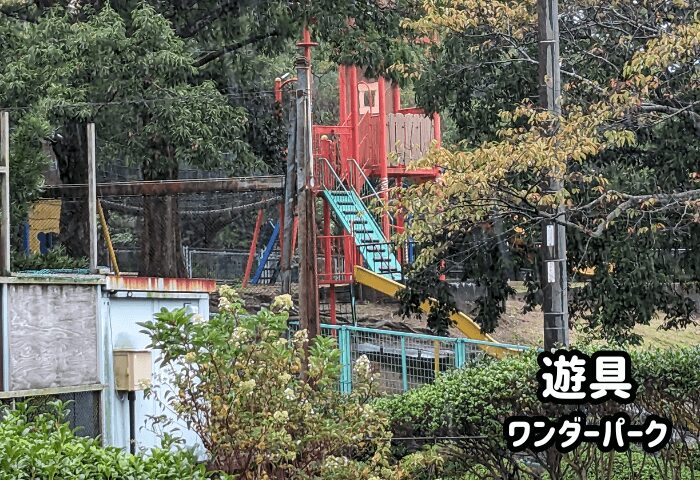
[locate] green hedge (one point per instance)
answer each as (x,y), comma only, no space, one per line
(41,445)
(475,401)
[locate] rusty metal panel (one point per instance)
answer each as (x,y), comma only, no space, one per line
(52,336)
(157,284)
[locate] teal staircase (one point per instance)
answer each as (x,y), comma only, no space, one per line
(358,221)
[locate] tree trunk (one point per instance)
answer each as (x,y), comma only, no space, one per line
(71,154)
(161,237)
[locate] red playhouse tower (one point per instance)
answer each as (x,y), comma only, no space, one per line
(356,162)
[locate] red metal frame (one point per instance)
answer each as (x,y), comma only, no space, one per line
(253,248)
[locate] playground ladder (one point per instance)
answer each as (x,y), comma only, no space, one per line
(359,222)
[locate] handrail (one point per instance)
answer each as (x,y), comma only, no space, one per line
(367,182)
(422,336)
(337,178)
(374,192)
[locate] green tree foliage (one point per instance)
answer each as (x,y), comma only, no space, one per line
(168,84)
(470,405)
(40,444)
(135,81)
(626,150)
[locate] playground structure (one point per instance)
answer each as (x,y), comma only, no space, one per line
(355,165)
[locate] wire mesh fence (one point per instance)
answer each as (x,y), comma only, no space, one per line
(404,360)
(201,235)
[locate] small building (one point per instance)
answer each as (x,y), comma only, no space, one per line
(59,336)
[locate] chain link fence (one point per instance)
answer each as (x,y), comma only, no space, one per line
(195,235)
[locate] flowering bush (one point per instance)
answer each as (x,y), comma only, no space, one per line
(261,407)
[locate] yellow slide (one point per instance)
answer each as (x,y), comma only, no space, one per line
(462,321)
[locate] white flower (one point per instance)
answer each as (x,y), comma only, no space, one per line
(197,318)
(301,336)
(190,357)
(289,394)
(282,302)
(248,384)
(281,416)
(285,377)
(363,365)
(224,303)
(238,334)
(228,292)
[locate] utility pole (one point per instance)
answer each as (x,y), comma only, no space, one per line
(5,264)
(555,305)
(92,197)
(290,206)
(308,278)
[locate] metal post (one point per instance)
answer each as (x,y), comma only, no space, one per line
(92,197)
(554,276)
(460,355)
(404,365)
(437,129)
(308,270)
(395,98)
(343,96)
(290,207)
(345,360)
(328,250)
(383,160)
(5,265)
(355,115)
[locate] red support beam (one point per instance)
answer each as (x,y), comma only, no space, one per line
(437,132)
(253,248)
(354,114)
(329,259)
(396,97)
(383,165)
(281,239)
(327,240)
(342,96)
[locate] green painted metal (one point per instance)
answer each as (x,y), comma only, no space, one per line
(345,360)
(421,336)
(404,366)
(407,342)
(356,219)
(460,354)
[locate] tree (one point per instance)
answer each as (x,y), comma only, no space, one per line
(135,83)
(168,83)
(630,92)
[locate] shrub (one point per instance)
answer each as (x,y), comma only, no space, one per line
(41,445)
(473,403)
(56,258)
(267,406)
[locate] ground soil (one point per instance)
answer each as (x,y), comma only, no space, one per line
(515,327)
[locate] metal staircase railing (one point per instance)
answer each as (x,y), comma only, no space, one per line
(368,191)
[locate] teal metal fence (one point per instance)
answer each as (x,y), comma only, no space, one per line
(404,360)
